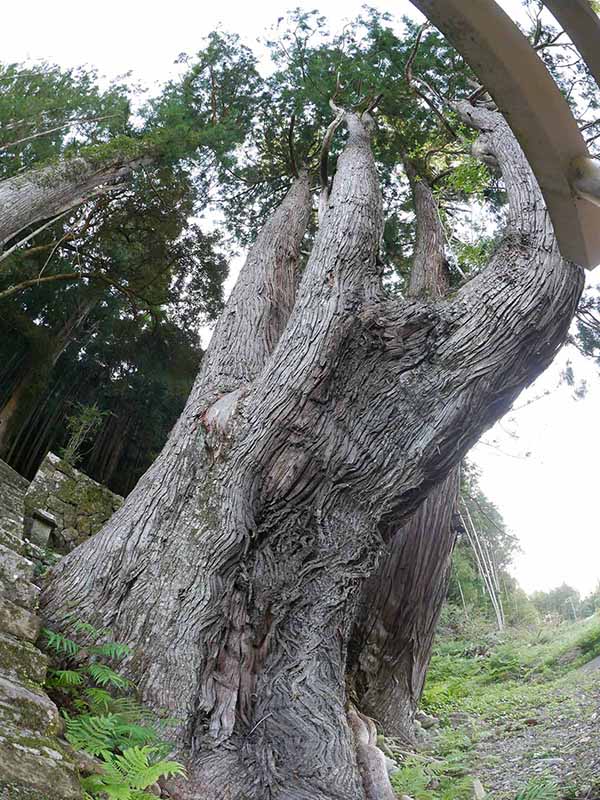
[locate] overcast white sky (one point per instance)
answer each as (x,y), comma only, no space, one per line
(550,497)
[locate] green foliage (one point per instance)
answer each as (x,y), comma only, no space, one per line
(98,720)
(81,425)
(561,602)
(126,775)
(589,641)
(503,666)
(125,339)
(447,680)
(469,177)
(92,671)
(65,678)
(44,109)
(103,675)
(431,780)
(60,644)
(508,682)
(106,733)
(539,789)
(500,673)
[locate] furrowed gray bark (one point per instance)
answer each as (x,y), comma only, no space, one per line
(429,275)
(401,602)
(234,567)
(398,613)
(49,191)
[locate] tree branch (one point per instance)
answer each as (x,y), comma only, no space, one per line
(32,235)
(429,276)
(293,163)
(54,130)
(20,287)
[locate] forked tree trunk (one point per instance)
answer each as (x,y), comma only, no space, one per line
(234,567)
(401,602)
(49,191)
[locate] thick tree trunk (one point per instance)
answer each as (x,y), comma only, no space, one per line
(49,191)
(399,609)
(401,602)
(235,565)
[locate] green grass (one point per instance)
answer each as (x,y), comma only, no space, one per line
(502,678)
(431,780)
(511,668)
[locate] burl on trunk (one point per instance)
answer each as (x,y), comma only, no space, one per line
(234,567)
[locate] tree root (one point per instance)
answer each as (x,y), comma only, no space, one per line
(370,759)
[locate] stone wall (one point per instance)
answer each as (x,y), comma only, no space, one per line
(63,507)
(34,763)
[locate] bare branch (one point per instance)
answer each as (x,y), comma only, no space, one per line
(20,287)
(553,42)
(32,235)
(412,81)
(293,163)
(413,53)
(372,105)
(54,130)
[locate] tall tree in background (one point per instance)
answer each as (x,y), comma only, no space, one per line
(133,250)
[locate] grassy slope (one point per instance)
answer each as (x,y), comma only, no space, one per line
(518,710)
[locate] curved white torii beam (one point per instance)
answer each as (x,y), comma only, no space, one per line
(582,25)
(539,116)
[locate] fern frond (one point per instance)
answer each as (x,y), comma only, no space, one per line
(64,678)
(539,788)
(136,734)
(103,675)
(90,630)
(95,735)
(99,701)
(59,643)
(130,710)
(135,765)
(110,650)
(96,786)
(125,776)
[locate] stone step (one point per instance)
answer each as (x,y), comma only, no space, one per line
(18,622)
(36,768)
(10,477)
(11,540)
(16,574)
(12,523)
(21,661)
(25,709)
(24,594)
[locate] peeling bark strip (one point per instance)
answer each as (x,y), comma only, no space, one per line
(49,191)
(234,567)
